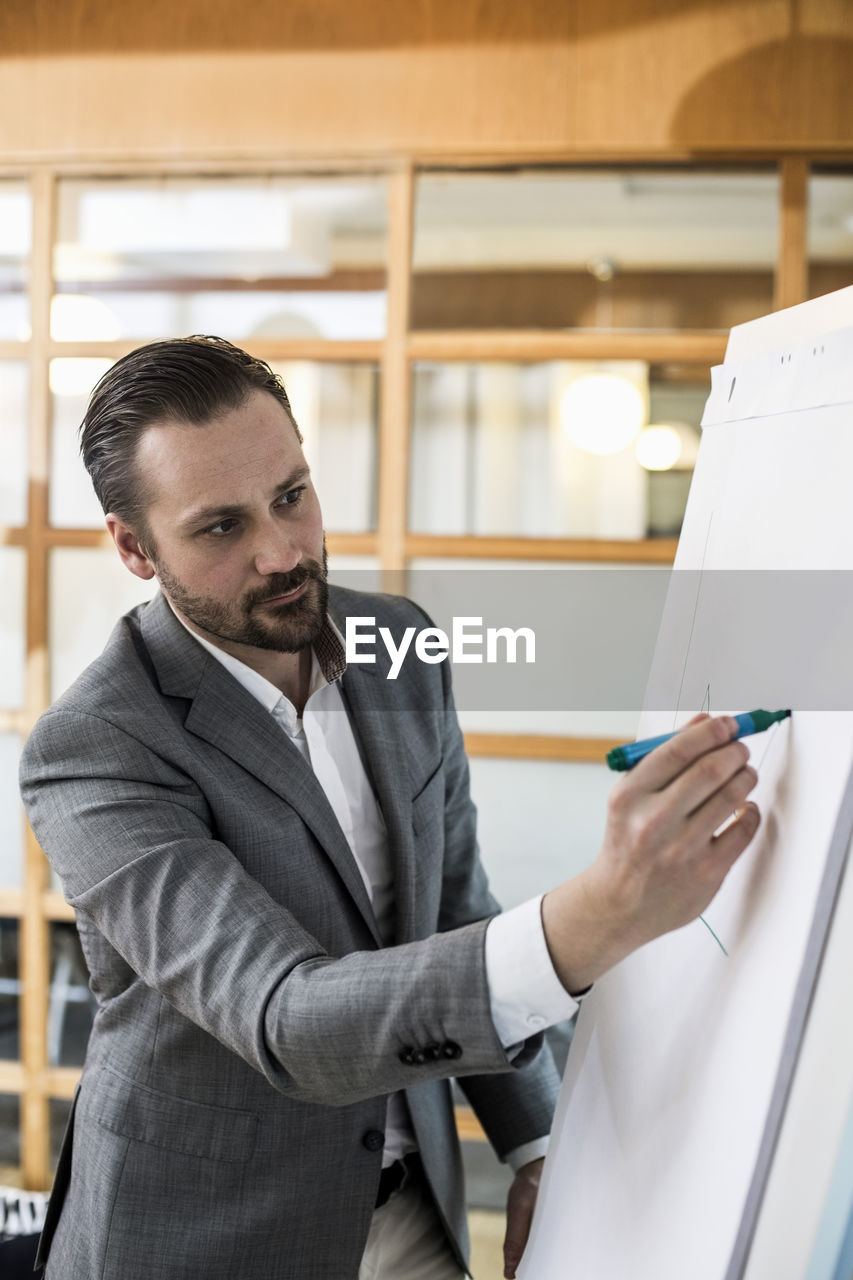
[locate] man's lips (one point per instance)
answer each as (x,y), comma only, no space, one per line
(289,596)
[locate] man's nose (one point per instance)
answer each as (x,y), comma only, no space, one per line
(277,550)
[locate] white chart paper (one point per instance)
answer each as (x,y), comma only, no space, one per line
(677,1074)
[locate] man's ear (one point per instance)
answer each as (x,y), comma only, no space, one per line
(129,547)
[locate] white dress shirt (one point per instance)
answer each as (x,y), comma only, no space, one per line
(525,993)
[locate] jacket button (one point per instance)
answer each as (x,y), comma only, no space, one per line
(374,1140)
(407,1056)
(450,1049)
(419,1057)
(433,1052)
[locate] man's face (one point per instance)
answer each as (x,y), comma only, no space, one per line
(234,528)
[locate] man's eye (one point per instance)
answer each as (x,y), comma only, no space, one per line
(222,527)
(292,496)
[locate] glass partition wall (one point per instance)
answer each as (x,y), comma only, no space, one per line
(493,368)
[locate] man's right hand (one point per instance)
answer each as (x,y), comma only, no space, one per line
(660,863)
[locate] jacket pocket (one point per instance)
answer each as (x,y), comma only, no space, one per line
(134,1110)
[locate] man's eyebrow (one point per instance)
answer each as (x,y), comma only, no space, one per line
(209,515)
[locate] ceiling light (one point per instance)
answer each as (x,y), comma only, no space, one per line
(658,448)
(602,412)
(661,445)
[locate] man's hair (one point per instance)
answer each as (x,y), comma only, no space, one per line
(190,380)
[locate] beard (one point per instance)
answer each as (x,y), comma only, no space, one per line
(286,628)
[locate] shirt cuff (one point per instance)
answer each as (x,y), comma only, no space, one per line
(525,993)
(528,1151)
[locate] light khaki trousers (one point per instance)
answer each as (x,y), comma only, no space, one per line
(407,1241)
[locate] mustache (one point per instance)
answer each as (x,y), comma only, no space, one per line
(281,584)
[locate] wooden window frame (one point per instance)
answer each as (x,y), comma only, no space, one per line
(37,906)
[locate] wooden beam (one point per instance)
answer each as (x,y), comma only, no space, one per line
(94,539)
(11,904)
(352,544)
(57,1082)
(226,162)
(14,722)
(11,537)
(60,1082)
(343,544)
(596,550)
(35,940)
(394,405)
(792,265)
(14,350)
(700,347)
(538,746)
(54,906)
(272,350)
(12,1077)
(341,280)
(557,297)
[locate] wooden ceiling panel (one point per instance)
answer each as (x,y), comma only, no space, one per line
(480,78)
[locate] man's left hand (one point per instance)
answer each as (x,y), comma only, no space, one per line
(520,1204)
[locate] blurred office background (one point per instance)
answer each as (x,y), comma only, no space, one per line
(493,249)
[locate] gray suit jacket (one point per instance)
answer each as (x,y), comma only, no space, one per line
(250,1024)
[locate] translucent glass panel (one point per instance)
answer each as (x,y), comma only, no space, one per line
(10,990)
(539,822)
(677,395)
(550,449)
(71,1005)
(12,627)
(15,233)
(10,1138)
(638,248)
(73,504)
(11,814)
(337,409)
(830,231)
(89,590)
(14,384)
(239,257)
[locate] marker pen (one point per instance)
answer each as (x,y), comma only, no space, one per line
(625,757)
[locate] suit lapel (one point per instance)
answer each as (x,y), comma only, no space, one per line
(379,729)
(225,715)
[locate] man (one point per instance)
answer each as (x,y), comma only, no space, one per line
(273,862)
